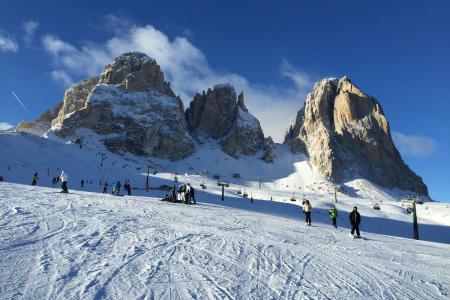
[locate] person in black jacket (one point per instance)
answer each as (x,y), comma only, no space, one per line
(192,195)
(355,220)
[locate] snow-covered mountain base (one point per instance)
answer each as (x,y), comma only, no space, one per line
(87,245)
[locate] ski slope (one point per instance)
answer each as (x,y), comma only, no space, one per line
(292,175)
(87,245)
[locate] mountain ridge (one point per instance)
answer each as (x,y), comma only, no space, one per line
(342,130)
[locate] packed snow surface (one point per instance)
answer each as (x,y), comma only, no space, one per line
(92,246)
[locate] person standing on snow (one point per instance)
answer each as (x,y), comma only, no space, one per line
(113,187)
(173,194)
(64,178)
(192,193)
(34,179)
(82,183)
(187,195)
(307,209)
(116,188)
(332,212)
(105,187)
(127,187)
(2,179)
(355,220)
(181,193)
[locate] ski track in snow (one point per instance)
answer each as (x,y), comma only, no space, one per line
(95,246)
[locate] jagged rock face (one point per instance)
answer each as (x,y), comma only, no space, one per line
(42,124)
(269,155)
(75,98)
(132,107)
(347,135)
(136,72)
(219,114)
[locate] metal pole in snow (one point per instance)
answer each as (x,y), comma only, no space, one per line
(415,225)
(335,195)
(146,183)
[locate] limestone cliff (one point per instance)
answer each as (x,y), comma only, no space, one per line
(346,135)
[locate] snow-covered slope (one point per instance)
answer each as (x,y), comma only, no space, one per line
(22,155)
(93,246)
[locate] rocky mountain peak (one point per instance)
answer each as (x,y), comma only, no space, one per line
(136,72)
(130,107)
(346,135)
(241,103)
(219,114)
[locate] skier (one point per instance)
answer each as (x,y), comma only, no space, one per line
(127,187)
(307,208)
(54,181)
(64,178)
(181,191)
(2,179)
(82,183)
(355,220)
(332,212)
(187,195)
(193,195)
(34,179)
(173,196)
(113,188)
(105,187)
(117,187)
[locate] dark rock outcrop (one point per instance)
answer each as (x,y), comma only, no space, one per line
(220,115)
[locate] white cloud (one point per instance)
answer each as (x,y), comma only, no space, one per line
(4,126)
(62,76)
(414,145)
(187,69)
(301,79)
(29,28)
(87,61)
(7,44)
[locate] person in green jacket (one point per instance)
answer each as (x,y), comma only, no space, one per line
(332,212)
(34,178)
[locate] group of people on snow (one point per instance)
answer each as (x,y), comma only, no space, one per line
(354,217)
(116,186)
(63,178)
(184,194)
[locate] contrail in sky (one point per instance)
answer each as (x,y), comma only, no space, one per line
(21,103)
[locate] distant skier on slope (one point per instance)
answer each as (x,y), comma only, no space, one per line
(333,213)
(355,220)
(34,179)
(187,194)
(127,187)
(105,187)
(64,178)
(82,183)
(192,193)
(307,209)
(116,188)
(181,193)
(173,194)
(2,179)
(54,181)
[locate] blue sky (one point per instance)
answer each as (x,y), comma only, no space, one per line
(273,51)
